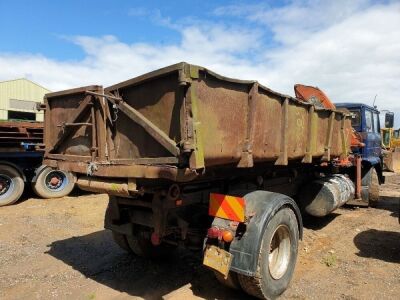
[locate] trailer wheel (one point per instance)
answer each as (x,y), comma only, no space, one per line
(231,282)
(121,241)
(52,183)
(277,257)
(11,185)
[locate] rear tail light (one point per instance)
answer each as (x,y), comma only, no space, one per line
(155,239)
(213,233)
(221,234)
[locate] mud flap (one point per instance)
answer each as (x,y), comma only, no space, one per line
(217,259)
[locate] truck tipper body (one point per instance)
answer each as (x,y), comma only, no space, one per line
(218,165)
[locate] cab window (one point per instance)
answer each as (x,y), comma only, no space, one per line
(355,118)
(376,123)
(368,121)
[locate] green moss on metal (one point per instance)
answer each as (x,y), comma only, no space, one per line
(198,141)
(194,71)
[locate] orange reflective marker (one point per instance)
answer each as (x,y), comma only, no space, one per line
(227,236)
(227,207)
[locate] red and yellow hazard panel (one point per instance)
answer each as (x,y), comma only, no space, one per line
(227,207)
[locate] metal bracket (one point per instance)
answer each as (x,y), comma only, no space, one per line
(141,120)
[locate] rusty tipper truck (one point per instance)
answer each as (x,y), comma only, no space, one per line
(191,158)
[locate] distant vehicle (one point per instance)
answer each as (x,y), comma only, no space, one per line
(21,155)
(390,144)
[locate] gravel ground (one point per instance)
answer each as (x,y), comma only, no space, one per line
(58,249)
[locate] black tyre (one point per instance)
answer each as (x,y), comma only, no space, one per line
(373,189)
(371,194)
(231,282)
(139,246)
(11,185)
(111,215)
(142,246)
(121,241)
(277,257)
(52,183)
(138,242)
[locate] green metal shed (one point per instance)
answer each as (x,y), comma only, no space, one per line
(18,99)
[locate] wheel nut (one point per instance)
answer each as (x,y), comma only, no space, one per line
(54,181)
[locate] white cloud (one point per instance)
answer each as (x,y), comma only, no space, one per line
(296,20)
(108,60)
(350,49)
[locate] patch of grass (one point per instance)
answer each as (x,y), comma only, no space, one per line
(330,260)
(91,296)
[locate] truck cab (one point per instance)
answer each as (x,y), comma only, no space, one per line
(365,121)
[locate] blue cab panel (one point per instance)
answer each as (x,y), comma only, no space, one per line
(366,122)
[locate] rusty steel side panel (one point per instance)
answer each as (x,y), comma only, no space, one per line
(266,106)
(297,129)
(223,119)
(159,101)
(320,132)
(185,117)
(62,109)
(238,117)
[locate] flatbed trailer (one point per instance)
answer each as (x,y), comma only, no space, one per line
(21,156)
(219,165)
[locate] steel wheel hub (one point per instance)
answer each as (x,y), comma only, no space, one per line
(279,253)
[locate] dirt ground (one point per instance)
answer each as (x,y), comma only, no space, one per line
(59,249)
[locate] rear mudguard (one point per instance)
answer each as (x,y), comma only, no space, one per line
(261,206)
(377,164)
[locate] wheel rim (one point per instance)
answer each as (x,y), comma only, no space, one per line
(56,181)
(6,186)
(279,252)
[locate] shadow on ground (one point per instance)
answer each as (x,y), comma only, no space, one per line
(383,245)
(391,204)
(29,194)
(316,223)
(97,257)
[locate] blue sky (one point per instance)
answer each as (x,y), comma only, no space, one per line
(350,49)
(44,26)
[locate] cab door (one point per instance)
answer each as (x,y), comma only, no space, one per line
(372,134)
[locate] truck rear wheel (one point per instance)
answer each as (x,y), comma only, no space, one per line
(143,247)
(52,183)
(121,241)
(11,185)
(277,257)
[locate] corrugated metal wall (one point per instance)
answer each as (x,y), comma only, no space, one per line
(19,95)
